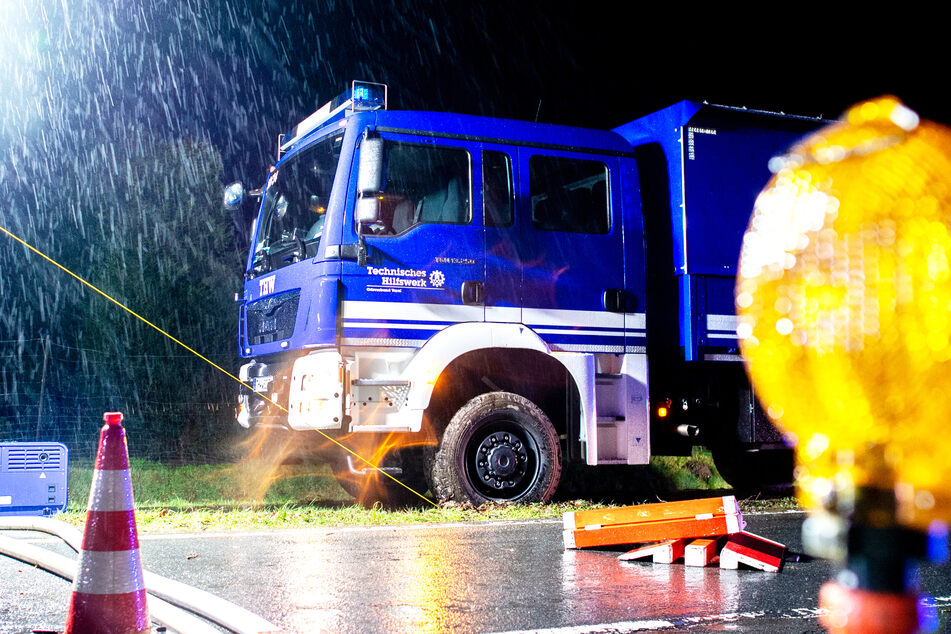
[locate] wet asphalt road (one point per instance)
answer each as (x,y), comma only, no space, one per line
(466,578)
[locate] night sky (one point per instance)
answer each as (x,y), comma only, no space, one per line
(238,72)
(601,65)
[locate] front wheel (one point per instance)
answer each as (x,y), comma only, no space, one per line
(499,447)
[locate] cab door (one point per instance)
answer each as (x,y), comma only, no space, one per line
(572,283)
(425,265)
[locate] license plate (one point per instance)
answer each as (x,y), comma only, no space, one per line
(261,383)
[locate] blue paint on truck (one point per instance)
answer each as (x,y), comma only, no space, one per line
(521,295)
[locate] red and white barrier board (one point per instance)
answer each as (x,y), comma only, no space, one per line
(752,550)
(701,552)
(707,517)
(663,553)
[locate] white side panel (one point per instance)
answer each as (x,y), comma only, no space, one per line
(611,441)
(378,392)
(620,431)
(637,416)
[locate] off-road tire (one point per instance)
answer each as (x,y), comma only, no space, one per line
(498,447)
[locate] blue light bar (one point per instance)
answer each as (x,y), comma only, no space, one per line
(367,96)
(363,96)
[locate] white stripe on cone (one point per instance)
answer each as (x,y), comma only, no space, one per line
(122,568)
(111,491)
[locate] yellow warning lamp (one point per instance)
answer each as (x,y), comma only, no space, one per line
(844,298)
(844,304)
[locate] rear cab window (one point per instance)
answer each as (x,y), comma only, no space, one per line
(569,194)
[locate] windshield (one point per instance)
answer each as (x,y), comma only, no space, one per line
(295,206)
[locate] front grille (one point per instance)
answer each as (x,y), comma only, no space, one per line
(272,318)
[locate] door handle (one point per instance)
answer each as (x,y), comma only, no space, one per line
(473,293)
(617,300)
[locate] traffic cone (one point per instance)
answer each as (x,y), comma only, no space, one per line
(108,591)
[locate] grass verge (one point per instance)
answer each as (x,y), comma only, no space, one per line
(248,496)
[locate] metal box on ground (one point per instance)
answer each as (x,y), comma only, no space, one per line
(33,478)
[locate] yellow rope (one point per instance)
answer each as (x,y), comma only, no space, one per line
(201,356)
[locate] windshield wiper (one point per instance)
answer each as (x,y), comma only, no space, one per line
(297,248)
(291,250)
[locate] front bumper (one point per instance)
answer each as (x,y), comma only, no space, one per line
(301,394)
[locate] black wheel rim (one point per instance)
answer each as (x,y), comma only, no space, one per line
(501,460)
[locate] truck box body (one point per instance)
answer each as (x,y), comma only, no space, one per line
(717,163)
(411,268)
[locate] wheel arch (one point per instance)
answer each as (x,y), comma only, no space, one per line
(466,360)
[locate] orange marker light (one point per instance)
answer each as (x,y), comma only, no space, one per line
(662,411)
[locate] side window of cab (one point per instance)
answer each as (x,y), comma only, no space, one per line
(423,184)
(497,192)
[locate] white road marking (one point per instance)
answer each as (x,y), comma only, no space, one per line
(623,627)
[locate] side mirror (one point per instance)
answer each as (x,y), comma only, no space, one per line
(368,209)
(369,179)
(234,196)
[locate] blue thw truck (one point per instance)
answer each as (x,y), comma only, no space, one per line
(496,299)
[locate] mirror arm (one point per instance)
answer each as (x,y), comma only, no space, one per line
(361,246)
